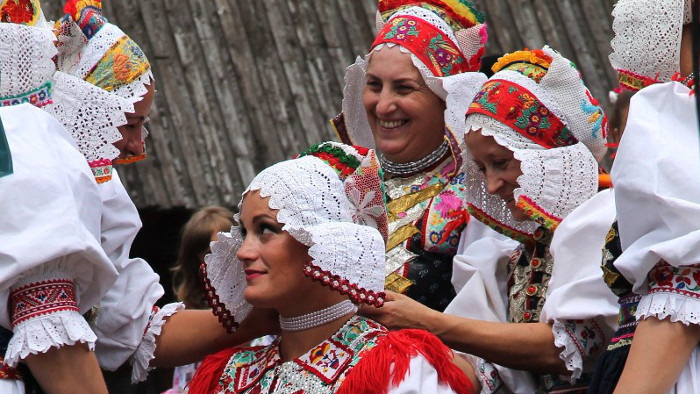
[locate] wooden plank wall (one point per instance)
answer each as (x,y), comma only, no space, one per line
(245,83)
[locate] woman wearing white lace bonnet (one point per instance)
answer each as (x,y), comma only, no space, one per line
(91,48)
(53,266)
(533,133)
(395,101)
(310,244)
(655,176)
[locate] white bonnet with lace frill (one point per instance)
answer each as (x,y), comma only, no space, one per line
(330,199)
(90,114)
(537,106)
(647,42)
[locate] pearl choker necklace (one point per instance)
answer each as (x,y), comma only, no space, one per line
(318,318)
(413,166)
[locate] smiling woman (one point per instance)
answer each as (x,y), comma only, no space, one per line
(394,101)
(310,246)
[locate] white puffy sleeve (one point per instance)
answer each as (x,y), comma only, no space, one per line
(126,308)
(659,205)
(480,275)
(128,322)
(579,305)
(52,268)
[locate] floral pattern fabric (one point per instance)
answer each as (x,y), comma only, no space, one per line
(426,219)
(321,370)
(519,109)
(123,63)
(434,48)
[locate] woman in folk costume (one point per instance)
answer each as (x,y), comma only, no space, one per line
(533,133)
(53,267)
(310,245)
(48,285)
(653,251)
(123,323)
(394,101)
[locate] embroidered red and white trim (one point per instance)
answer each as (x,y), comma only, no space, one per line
(43,298)
(344,286)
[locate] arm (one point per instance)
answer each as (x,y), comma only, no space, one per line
(63,370)
(670,344)
(189,335)
(526,346)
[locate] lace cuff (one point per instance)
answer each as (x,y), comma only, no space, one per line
(579,340)
(145,351)
(487,374)
(44,314)
(673,292)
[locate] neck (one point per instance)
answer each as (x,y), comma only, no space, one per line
(414,167)
(293,344)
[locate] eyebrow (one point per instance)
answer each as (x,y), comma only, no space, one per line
(262,216)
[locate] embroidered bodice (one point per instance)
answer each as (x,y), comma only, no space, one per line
(426,219)
(530,272)
(321,370)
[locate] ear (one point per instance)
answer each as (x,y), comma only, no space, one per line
(379,22)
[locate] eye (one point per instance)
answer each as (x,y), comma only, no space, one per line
(243,231)
(501,164)
(405,89)
(373,85)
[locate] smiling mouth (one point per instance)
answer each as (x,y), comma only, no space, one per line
(252,274)
(392,124)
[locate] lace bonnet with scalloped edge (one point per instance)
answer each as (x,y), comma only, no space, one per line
(537,106)
(647,42)
(91,48)
(330,199)
(90,114)
(461,32)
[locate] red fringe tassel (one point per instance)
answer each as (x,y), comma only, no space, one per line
(209,372)
(373,374)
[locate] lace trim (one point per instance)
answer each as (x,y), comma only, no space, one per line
(41,333)
(679,306)
(145,351)
(578,340)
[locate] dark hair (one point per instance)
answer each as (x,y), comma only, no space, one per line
(196,236)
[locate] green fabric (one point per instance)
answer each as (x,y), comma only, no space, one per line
(5,157)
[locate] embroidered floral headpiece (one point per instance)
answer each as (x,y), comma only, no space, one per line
(537,100)
(91,48)
(21,12)
(448,36)
(646,46)
(331,199)
(89,113)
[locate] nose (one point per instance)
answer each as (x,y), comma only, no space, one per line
(246,253)
(386,102)
(493,182)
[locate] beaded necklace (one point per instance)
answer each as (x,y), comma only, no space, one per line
(413,167)
(317,318)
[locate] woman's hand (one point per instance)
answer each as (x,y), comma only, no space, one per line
(398,312)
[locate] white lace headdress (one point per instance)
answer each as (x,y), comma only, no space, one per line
(647,42)
(331,199)
(559,129)
(453,63)
(91,48)
(90,114)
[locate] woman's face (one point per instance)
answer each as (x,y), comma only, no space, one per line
(499,167)
(131,143)
(272,259)
(406,117)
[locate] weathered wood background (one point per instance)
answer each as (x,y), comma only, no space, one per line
(245,83)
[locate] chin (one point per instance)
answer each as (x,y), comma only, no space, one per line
(257,298)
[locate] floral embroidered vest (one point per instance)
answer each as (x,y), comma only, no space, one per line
(426,219)
(321,370)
